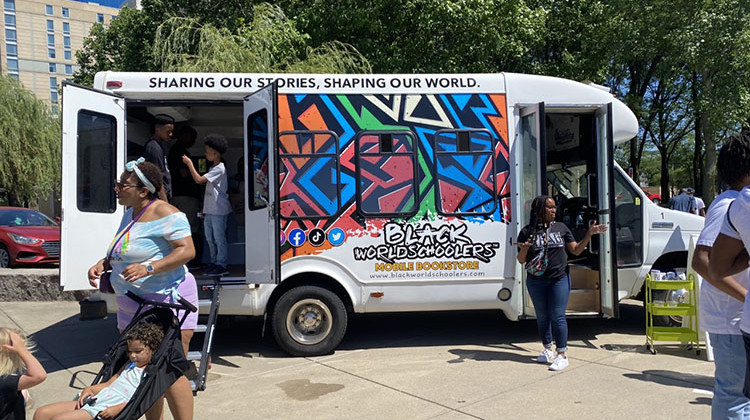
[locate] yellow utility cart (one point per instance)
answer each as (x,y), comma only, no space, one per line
(685,334)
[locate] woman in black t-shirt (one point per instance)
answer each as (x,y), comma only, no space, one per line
(541,248)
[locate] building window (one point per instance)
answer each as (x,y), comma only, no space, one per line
(66,28)
(100,18)
(10,35)
(68,55)
(50,25)
(66,41)
(51,52)
(50,40)
(49,10)
(68,69)
(12,64)
(10,20)
(53,83)
(65,12)
(53,96)
(52,68)
(386,173)
(9,5)
(11,50)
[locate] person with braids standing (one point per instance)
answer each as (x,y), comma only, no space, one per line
(147,256)
(541,249)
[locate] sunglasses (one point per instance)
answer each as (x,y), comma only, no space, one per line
(122,185)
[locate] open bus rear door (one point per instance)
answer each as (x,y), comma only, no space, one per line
(262,240)
(606,200)
(93,156)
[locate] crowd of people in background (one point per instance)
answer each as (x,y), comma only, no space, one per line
(688,202)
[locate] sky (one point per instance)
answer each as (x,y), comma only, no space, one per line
(109,3)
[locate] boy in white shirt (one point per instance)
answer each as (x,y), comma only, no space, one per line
(721,305)
(216,205)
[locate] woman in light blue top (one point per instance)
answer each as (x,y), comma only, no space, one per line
(147,256)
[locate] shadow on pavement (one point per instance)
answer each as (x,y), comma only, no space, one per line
(72,342)
(670,378)
(242,335)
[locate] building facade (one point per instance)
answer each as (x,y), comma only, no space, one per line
(40,39)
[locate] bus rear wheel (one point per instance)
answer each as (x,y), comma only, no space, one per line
(309,321)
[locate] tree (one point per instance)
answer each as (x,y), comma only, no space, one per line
(270,43)
(643,40)
(424,36)
(716,50)
(29,144)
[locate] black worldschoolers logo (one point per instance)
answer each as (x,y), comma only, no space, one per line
(408,242)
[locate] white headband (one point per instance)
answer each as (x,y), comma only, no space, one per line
(132,166)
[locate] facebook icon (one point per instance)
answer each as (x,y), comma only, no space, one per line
(296,237)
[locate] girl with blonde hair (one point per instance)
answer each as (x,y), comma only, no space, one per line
(19,370)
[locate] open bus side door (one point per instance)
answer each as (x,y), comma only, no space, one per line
(262,242)
(93,156)
(531,137)
(606,200)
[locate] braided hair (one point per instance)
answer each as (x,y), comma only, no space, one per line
(536,215)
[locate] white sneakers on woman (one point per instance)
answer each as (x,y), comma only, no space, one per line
(560,363)
(547,356)
(556,362)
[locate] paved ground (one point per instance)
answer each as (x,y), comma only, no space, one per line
(458,365)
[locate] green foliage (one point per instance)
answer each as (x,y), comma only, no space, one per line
(118,47)
(269,43)
(423,36)
(29,143)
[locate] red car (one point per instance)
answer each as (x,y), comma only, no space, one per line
(27,237)
(656,198)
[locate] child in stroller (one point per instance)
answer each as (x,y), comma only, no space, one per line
(144,362)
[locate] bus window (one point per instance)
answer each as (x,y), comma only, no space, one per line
(310,180)
(95,177)
(465,172)
(628,223)
(386,173)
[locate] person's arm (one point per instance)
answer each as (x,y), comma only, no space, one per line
(727,284)
(727,257)
(523,250)
(35,373)
(576,248)
(198,178)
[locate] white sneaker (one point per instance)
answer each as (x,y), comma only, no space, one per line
(547,356)
(559,363)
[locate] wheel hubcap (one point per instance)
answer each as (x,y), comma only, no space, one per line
(309,321)
(4,258)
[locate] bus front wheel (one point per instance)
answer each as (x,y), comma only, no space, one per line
(309,321)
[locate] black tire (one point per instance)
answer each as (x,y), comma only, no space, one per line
(664,320)
(4,257)
(309,321)
(656,201)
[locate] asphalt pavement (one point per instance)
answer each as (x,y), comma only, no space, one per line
(446,365)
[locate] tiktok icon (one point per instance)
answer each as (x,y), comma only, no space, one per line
(317,237)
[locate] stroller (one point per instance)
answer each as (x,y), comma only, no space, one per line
(167,363)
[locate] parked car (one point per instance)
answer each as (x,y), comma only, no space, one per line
(655,198)
(27,237)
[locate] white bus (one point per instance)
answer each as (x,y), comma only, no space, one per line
(379,193)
